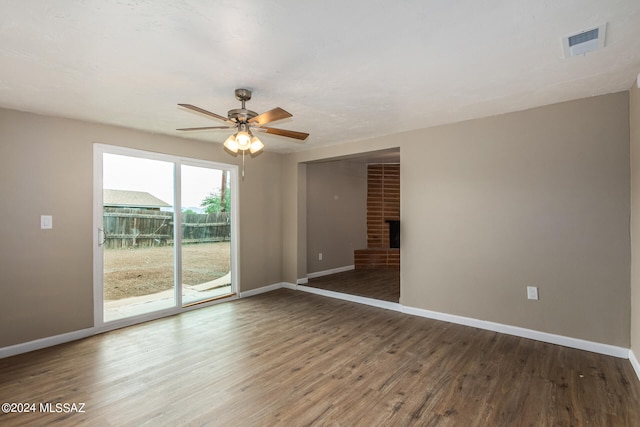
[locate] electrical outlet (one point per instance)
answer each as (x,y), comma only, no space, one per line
(46,222)
(532,292)
(319,256)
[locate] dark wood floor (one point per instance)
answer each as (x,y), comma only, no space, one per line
(294,359)
(378,284)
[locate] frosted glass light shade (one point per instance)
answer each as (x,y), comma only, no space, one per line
(231,144)
(256,145)
(243,139)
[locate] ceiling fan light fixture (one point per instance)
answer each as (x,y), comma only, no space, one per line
(231,144)
(256,145)
(243,139)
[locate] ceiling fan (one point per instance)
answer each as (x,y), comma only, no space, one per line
(245,121)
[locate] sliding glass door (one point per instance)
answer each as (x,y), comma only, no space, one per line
(206,234)
(138,217)
(164,233)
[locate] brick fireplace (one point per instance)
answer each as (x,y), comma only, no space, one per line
(383,216)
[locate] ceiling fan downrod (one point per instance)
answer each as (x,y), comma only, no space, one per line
(242,115)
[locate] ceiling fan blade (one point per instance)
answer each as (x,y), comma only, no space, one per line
(208,128)
(283,132)
(270,116)
(208,113)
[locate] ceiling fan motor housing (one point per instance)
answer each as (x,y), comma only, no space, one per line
(241,115)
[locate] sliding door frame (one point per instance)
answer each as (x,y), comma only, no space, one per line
(98,261)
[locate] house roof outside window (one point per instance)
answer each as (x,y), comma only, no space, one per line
(132,199)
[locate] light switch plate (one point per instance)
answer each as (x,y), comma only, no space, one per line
(46,222)
(532,292)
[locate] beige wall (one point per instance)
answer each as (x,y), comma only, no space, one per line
(336,213)
(634,122)
(46,167)
(539,197)
(489,206)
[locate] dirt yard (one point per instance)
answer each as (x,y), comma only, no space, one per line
(143,271)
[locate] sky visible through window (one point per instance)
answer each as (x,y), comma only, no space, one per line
(156,178)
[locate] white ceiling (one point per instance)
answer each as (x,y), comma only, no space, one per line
(346,69)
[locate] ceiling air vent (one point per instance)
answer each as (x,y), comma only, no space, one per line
(584,42)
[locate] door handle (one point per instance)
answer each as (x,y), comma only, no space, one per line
(104,236)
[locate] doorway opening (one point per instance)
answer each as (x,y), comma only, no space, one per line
(353,225)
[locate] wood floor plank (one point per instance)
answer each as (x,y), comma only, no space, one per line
(377,284)
(297,359)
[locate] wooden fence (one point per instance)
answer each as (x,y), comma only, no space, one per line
(131,228)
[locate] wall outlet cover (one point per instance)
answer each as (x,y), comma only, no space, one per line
(46,222)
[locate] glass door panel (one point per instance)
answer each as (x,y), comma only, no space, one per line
(206,233)
(138,252)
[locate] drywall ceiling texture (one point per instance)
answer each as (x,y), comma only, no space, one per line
(347,70)
(46,276)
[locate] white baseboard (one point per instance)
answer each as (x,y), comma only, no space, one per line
(634,363)
(607,349)
(353,298)
(83,333)
(580,344)
(298,287)
(261,290)
(302,281)
(45,342)
(330,271)
(268,288)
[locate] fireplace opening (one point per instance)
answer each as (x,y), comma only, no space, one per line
(394,233)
